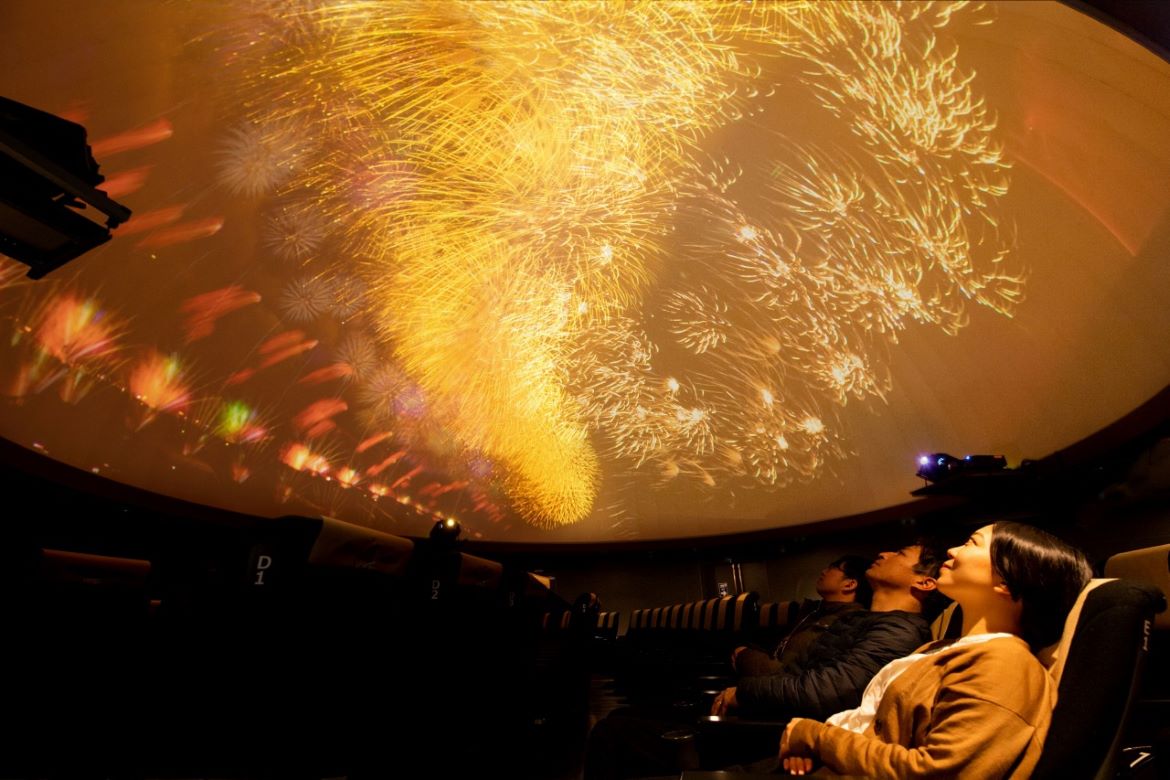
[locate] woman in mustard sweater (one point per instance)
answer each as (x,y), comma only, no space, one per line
(978,706)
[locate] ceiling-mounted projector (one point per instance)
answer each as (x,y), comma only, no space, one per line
(50,211)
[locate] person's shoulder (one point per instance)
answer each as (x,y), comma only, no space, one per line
(897,617)
(840,608)
(853,617)
(1006,647)
(1006,662)
(888,622)
(999,653)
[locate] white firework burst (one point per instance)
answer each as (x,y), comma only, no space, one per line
(254,160)
(305,298)
(358,351)
(294,232)
(378,391)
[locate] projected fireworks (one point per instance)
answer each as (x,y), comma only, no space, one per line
(528,263)
(529,199)
(534,186)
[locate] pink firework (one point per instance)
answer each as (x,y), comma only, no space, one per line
(139,137)
(181,233)
(299,457)
(158,382)
(203,311)
(150,220)
(319,412)
(75,329)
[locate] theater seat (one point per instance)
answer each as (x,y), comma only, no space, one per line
(1150,565)
(607,625)
(1098,665)
(949,623)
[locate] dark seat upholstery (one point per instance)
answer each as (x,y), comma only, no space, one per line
(1098,664)
(607,625)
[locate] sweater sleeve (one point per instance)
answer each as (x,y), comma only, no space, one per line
(837,682)
(970,735)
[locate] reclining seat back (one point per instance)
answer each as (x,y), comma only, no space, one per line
(775,620)
(1097,666)
(949,623)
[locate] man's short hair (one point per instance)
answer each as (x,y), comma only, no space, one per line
(853,567)
(932,554)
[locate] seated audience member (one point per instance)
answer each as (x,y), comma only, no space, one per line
(842,588)
(830,676)
(840,663)
(975,707)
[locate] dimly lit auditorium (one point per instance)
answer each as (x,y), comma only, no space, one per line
(584,389)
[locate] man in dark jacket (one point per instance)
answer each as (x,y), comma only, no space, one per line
(842,587)
(840,663)
(830,677)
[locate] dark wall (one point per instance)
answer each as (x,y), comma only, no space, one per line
(625,586)
(1146,21)
(1108,493)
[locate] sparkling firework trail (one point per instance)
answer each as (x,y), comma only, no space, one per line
(348,297)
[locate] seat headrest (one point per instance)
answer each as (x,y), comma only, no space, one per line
(352,546)
(1053,656)
(1149,565)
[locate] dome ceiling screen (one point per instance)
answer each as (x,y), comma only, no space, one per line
(584,271)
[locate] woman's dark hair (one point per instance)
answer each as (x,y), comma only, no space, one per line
(1042,573)
(853,567)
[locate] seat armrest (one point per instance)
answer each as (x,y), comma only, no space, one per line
(725,740)
(737,722)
